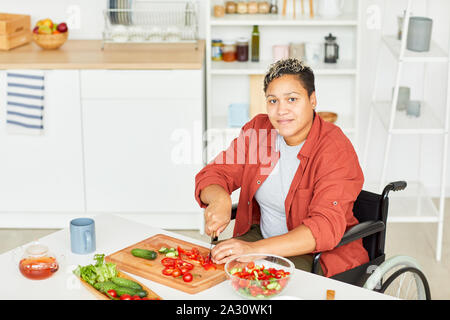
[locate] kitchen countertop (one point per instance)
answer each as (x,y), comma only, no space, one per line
(114,233)
(87,54)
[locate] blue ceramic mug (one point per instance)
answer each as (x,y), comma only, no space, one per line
(82,235)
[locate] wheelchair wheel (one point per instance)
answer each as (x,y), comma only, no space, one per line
(401,277)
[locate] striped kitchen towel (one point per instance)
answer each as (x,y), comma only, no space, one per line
(25,101)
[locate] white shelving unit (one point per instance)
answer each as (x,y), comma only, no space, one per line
(414,204)
(278,29)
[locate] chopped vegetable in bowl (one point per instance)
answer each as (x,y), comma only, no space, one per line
(255,276)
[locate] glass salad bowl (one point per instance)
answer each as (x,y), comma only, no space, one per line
(259,276)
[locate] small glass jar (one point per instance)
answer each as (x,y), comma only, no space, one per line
(219,10)
(216,50)
(264,7)
(242,49)
(252,7)
(229,51)
(242,7)
(230,7)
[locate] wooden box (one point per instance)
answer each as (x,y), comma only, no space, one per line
(15,30)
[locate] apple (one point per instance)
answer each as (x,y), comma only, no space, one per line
(62,27)
(47,22)
(44,29)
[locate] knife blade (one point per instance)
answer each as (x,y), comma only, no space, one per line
(213,238)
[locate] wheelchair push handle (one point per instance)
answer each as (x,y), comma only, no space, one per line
(397,185)
(394,186)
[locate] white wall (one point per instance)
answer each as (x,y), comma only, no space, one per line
(405,150)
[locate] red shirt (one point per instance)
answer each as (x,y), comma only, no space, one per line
(321,195)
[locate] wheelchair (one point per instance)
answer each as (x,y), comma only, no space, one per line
(399,276)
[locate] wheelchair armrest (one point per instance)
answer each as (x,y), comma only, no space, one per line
(359,231)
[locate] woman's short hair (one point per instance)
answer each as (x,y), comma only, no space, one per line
(291,66)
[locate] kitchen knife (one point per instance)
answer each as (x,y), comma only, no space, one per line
(213,238)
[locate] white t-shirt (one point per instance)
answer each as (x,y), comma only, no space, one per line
(271,195)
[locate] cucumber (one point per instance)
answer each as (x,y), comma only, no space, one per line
(126,283)
(105,286)
(132,292)
(145,254)
(120,290)
(171,254)
(272,285)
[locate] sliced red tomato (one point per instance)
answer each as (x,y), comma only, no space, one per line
(176,272)
(209,266)
(208,260)
(185,270)
(112,293)
(187,277)
(244,283)
(184,264)
(180,251)
(168,262)
(167,271)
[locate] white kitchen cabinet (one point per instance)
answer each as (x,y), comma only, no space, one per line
(44,173)
(142,133)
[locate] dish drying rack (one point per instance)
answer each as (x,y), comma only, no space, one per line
(158,22)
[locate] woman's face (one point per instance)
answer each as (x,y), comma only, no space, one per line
(289,108)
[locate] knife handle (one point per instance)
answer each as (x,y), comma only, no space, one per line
(214,237)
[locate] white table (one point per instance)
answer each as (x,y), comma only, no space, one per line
(114,233)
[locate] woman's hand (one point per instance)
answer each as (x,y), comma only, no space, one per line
(217,215)
(229,249)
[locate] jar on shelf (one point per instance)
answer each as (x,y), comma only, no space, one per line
(230,7)
(242,7)
(331,49)
(229,51)
(252,7)
(216,50)
(242,49)
(219,8)
(263,7)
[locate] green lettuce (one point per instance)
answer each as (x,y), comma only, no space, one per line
(100,272)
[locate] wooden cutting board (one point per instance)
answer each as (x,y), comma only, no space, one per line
(152,269)
(151,295)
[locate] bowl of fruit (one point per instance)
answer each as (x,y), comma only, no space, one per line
(49,35)
(259,276)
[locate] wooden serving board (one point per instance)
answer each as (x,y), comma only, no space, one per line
(151,295)
(152,269)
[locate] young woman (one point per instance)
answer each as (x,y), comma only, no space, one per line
(298,177)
